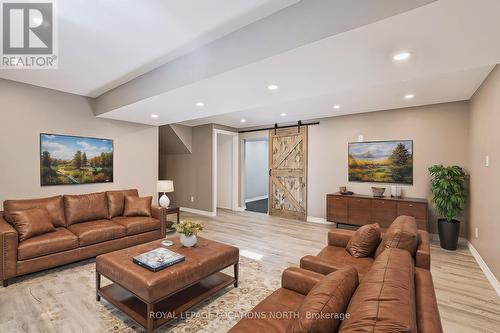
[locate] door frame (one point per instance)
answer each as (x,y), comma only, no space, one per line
(235,163)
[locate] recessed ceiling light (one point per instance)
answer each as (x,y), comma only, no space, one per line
(154,116)
(336,106)
(243,120)
(200,104)
(409,96)
(272,87)
(401,56)
(283,114)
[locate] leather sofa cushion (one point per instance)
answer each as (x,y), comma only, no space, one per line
(364,241)
(323,307)
(116,201)
(53,205)
(98,231)
(86,207)
(135,206)
(401,234)
(138,224)
(338,257)
(31,222)
(281,301)
(59,240)
(385,298)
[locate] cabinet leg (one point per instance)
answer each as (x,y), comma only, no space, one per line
(5,283)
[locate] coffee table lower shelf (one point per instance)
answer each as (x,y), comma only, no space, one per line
(169,307)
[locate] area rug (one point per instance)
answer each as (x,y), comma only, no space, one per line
(63,300)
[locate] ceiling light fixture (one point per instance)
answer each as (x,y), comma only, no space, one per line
(200,104)
(336,106)
(283,114)
(401,56)
(154,116)
(409,96)
(272,87)
(243,120)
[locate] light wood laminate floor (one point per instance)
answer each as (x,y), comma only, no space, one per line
(467,302)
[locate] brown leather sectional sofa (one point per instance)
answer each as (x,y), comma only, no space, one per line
(85,226)
(390,292)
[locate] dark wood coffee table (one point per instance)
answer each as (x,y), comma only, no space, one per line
(154,298)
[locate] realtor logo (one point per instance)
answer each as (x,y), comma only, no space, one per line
(28,32)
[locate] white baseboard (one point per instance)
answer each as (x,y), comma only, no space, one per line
(240,209)
(262,197)
(198,211)
(484,267)
(319,220)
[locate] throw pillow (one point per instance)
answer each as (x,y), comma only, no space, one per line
(323,308)
(135,206)
(32,222)
(364,241)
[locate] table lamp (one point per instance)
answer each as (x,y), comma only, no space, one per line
(165,186)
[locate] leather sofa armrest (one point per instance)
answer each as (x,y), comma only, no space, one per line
(316,264)
(428,319)
(423,255)
(339,237)
(160,213)
(300,280)
(8,250)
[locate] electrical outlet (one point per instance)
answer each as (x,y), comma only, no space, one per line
(487,161)
(476,232)
(192,198)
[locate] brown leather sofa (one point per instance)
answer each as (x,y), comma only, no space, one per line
(393,296)
(85,226)
(335,255)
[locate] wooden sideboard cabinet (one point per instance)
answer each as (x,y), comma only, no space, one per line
(360,209)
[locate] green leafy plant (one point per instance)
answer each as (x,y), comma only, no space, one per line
(188,227)
(448,191)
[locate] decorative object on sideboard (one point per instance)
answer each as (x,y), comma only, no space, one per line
(188,230)
(378,191)
(343,189)
(164,186)
(396,191)
(67,160)
(448,196)
(381,161)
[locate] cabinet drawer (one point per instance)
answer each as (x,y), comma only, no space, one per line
(383,212)
(359,211)
(337,209)
(417,210)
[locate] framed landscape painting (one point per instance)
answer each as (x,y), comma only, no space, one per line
(66,160)
(381,162)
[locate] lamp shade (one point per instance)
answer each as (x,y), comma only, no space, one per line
(165,186)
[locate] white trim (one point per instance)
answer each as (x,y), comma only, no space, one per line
(262,197)
(198,211)
(240,209)
(320,220)
(484,267)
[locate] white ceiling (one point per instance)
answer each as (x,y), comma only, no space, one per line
(453,44)
(104,43)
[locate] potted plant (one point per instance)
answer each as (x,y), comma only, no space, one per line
(188,230)
(448,195)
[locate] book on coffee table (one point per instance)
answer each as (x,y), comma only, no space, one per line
(158,259)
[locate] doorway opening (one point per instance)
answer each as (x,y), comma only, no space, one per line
(256,175)
(225,170)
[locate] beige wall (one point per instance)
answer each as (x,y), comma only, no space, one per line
(26,111)
(439,133)
(191,173)
(485,181)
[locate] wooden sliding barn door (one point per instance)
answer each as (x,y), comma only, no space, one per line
(288,172)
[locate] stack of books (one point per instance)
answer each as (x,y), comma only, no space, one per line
(158,259)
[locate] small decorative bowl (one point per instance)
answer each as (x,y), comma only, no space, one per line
(378,191)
